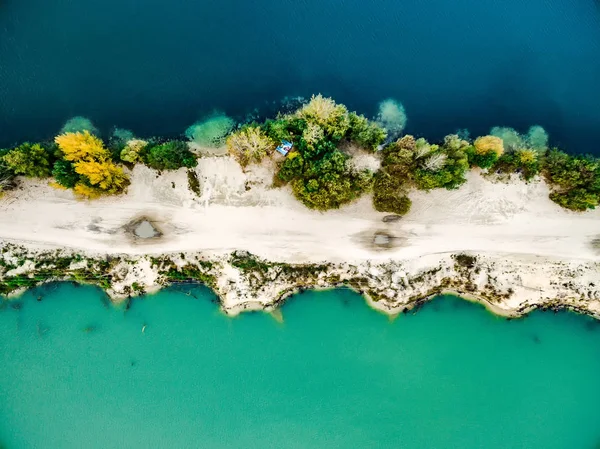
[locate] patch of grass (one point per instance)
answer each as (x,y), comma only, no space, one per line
(465,261)
(193,182)
(248,262)
(187,273)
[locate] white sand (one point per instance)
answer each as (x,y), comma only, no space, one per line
(239,211)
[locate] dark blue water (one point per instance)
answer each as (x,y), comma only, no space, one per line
(156,66)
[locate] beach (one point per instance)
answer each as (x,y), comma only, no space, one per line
(528,251)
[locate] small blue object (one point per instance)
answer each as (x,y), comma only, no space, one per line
(285,147)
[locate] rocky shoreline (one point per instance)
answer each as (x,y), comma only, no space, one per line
(506,284)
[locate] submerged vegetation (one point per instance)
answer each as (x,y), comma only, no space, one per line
(336,156)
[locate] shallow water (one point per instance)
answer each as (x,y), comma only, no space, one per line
(156,67)
(75,372)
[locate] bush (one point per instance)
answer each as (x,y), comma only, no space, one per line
(481,160)
(399,205)
(170,156)
(64,174)
(522,162)
(331,117)
(31,160)
(367,134)
(287,128)
(576,199)
(575,180)
(328,183)
(133,150)
(488,144)
(570,172)
(7,181)
(249,144)
(292,167)
(416,163)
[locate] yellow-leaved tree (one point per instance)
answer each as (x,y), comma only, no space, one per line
(489,144)
(80,145)
(98,173)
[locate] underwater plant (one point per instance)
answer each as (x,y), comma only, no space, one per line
(212,131)
(392,117)
(536,138)
(79,124)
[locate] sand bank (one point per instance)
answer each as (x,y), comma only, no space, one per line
(528,252)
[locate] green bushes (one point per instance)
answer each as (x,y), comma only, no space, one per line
(169,156)
(523,162)
(389,194)
(327,183)
(64,174)
(367,134)
(319,173)
(409,163)
(575,180)
(31,160)
(249,144)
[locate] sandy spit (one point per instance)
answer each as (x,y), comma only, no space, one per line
(527,249)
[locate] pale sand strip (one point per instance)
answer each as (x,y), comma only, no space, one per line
(238,211)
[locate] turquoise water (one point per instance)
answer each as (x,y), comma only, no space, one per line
(157,66)
(77,373)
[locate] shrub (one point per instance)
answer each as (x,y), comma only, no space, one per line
(6,178)
(389,194)
(170,156)
(132,152)
(365,133)
(64,174)
(417,163)
(292,167)
(481,160)
(399,205)
(575,180)
(331,117)
(576,199)
(328,183)
(487,144)
(313,133)
(522,162)
(31,160)
(287,128)
(249,144)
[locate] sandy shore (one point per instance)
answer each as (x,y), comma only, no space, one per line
(511,228)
